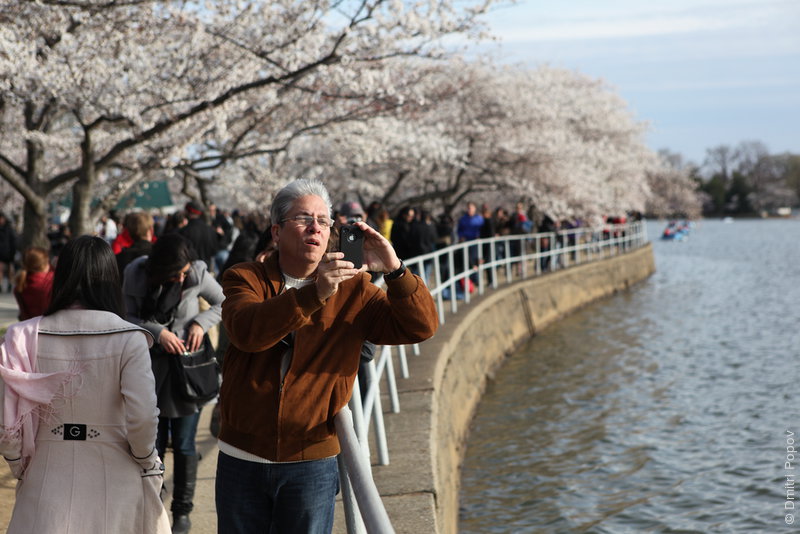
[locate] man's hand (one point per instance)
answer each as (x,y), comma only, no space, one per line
(379,255)
(332,271)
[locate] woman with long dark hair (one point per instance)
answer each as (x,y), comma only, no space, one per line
(79,418)
(162,293)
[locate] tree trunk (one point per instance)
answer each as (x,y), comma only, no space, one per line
(79,223)
(34,211)
(34,229)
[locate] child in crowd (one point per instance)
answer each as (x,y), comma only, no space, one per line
(34,283)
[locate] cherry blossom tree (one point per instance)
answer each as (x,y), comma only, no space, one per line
(96,94)
(550,136)
(673,188)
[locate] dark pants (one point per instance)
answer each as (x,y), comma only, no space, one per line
(182,431)
(275,498)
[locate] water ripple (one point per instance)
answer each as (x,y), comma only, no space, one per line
(662,409)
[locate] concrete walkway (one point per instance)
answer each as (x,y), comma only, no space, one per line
(8,310)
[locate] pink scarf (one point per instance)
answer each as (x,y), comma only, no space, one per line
(28,394)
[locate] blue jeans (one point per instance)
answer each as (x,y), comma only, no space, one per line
(275,498)
(182,430)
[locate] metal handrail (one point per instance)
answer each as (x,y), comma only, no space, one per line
(513,255)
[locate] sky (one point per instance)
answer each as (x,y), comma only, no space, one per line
(701,73)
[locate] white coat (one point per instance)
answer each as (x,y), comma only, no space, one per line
(93,483)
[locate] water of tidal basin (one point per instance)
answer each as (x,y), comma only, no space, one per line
(662,409)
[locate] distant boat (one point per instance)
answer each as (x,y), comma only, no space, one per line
(727,220)
(676,231)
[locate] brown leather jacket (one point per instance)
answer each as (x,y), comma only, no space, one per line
(294,421)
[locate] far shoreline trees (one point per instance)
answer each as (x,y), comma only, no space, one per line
(746,180)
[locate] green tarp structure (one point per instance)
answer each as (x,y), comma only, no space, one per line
(148,195)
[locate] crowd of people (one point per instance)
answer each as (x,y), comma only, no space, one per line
(90,374)
(90,385)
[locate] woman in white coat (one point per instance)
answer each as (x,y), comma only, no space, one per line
(79,418)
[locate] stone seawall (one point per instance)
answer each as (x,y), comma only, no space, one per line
(420,487)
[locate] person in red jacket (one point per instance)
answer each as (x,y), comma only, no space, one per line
(34,283)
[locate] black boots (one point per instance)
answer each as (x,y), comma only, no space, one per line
(185,480)
(181,524)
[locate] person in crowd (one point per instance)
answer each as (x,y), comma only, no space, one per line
(161,295)
(548,225)
(200,235)
(488,230)
(445,231)
(80,407)
(502,225)
(223,227)
(8,250)
(423,233)
(470,223)
(34,283)
(123,239)
(253,239)
(469,228)
(378,218)
(140,227)
(520,223)
(402,237)
(296,325)
(59,235)
(174,223)
(107,227)
(350,212)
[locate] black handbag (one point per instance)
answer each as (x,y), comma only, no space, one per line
(197,373)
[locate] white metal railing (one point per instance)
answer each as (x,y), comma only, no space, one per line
(452,274)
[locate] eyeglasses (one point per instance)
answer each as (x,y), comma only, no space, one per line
(308,220)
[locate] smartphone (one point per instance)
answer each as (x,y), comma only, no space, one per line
(351,242)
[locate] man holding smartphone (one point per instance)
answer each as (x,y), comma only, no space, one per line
(296,325)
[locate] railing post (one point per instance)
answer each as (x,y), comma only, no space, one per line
(377,414)
(493,257)
(453,281)
(359,424)
(352,515)
(480,267)
(467,272)
(401,350)
(376,520)
(391,382)
(437,264)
